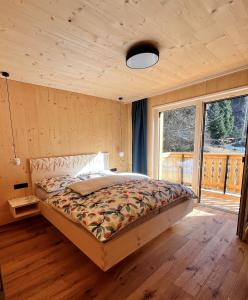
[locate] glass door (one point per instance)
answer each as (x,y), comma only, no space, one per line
(177,145)
(224,141)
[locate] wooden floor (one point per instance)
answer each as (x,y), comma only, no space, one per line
(198,258)
(221,201)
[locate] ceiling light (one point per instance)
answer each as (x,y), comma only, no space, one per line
(142,56)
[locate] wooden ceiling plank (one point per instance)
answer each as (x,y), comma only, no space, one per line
(81,45)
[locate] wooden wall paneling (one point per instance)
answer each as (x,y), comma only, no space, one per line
(49,122)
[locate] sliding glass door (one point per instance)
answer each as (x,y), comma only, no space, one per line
(204,148)
(206,156)
(201,144)
(225,130)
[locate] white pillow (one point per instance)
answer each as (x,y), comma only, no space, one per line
(95,175)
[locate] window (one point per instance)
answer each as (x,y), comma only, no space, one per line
(177,135)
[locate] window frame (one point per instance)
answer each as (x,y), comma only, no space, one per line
(199,103)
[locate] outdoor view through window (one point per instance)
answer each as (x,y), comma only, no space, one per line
(177,130)
(226,125)
(225,132)
(224,147)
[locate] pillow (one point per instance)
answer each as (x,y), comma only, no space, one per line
(95,175)
(55,184)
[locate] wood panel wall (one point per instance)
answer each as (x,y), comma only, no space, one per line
(227,82)
(50,122)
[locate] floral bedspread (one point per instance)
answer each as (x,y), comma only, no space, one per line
(108,210)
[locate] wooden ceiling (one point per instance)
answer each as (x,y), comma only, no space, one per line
(80,45)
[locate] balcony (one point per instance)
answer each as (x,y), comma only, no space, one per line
(221,176)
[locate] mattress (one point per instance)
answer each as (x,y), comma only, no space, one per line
(108,211)
(150,215)
(132,225)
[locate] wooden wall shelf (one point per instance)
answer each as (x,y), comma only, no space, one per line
(24,206)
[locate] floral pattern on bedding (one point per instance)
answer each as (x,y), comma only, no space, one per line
(57,183)
(108,210)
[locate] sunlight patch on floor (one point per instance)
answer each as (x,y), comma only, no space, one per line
(199,213)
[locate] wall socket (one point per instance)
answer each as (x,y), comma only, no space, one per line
(20,186)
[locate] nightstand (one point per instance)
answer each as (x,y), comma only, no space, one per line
(24,206)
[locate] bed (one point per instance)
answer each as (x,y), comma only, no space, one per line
(104,251)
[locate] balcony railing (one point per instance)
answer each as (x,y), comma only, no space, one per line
(220,171)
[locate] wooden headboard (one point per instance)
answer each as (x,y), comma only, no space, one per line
(67,165)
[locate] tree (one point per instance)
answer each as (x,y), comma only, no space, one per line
(240,113)
(179,129)
(220,121)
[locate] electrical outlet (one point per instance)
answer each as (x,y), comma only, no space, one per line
(20,186)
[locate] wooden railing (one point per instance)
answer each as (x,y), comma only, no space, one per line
(220,171)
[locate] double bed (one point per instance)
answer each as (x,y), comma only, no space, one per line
(109,217)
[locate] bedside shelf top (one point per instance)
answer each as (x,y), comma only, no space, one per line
(23,201)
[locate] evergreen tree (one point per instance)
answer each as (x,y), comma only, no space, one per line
(227,112)
(220,121)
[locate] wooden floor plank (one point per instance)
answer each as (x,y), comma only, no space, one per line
(200,257)
(157,284)
(219,284)
(194,277)
(240,290)
(141,269)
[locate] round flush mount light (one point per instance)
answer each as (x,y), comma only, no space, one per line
(142,56)
(4,74)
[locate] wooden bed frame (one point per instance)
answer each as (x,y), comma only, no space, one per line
(105,255)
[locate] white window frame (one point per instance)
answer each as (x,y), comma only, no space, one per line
(198,102)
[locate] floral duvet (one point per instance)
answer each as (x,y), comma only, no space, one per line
(108,210)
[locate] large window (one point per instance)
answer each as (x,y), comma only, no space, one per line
(213,169)
(223,151)
(177,132)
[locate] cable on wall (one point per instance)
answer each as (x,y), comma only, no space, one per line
(10,117)
(121,153)
(16,160)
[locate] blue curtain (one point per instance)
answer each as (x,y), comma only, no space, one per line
(139,136)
